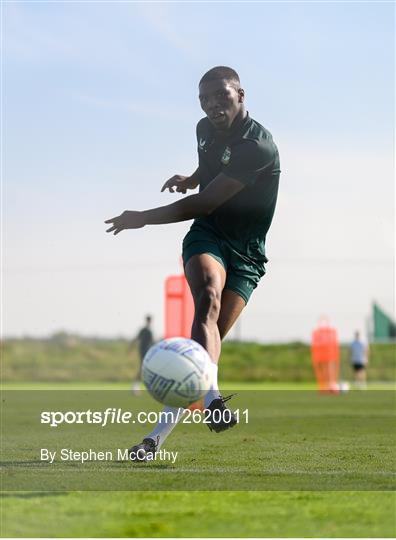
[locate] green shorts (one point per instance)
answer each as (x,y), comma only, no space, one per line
(243,273)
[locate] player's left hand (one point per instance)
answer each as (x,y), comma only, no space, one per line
(129,219)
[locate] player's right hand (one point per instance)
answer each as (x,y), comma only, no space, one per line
(179,182)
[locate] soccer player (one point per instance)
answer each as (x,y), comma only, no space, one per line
(359,353)
(224,250)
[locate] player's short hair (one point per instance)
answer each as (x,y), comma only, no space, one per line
(221,72)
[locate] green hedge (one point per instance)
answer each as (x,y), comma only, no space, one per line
(292,362)
(72,358)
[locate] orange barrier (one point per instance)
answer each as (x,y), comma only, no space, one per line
(179,307)
(326,358)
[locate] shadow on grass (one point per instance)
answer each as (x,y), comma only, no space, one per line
(145,464)
(22,463)
(116,464)
(32,495)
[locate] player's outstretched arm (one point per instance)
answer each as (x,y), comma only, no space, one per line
(201,204)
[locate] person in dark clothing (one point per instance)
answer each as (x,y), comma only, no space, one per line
(224,252)
(144,340)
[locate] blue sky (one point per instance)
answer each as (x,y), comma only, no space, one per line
(100,107)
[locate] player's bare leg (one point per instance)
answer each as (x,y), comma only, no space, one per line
(206,277)
(231,307)
(216,310)
(361,378)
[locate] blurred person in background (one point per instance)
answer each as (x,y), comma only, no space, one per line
(144,340)
(359,353)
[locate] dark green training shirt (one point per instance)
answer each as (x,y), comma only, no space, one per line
(249,155)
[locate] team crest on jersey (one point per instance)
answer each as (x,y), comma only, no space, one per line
(226,156)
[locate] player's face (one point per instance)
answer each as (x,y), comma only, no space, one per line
(222,102)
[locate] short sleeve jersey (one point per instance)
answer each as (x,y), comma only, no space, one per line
(358,352)
(248,154)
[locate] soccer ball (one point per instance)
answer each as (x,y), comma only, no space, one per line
(177,371)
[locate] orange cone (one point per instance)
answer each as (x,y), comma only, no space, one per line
(325,352)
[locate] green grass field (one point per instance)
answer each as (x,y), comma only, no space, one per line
(205,514)
(304,465)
